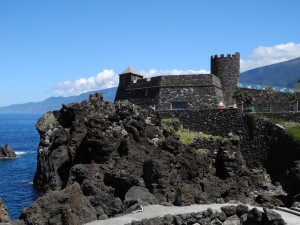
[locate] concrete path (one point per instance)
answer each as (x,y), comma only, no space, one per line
(152,211)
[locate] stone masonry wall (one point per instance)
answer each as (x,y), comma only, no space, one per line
(211,121)
(194,96)
(162,91)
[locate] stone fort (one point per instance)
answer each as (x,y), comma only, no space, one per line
(191,91)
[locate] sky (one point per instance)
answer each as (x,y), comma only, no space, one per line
(67,47)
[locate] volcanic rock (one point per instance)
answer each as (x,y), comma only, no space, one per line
(4,218)
(68,206)
(7,152)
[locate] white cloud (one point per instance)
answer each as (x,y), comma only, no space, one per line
(262,56)
(104,79)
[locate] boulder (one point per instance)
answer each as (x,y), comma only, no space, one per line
(232,220)
(229,210)
(254,217)
(141,193)
(241,209)
(68,206)
(4,218)
(272,217)
(7,152)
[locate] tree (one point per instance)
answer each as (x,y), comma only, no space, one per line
(243,96)
(268,94)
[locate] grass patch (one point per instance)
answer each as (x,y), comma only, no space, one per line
(294,132)
(292,128)
(284,123)
(187,137)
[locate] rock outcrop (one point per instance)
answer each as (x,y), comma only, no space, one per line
(111,158)
(4,218)
(7,152)
(68,206)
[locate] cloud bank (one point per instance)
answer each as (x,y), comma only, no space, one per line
(260,56)
(104,79)
(107,79)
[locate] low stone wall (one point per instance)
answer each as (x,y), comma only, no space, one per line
(231,214)
(211,121)
(290,116)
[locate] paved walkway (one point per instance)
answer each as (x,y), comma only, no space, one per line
(152,211)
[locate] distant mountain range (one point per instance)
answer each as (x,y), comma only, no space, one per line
(55,103)
(284,74)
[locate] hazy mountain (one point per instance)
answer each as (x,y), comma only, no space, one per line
(54,103)
(284,74)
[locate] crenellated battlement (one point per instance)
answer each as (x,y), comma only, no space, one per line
(222,56)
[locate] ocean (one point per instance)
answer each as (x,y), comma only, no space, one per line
(16,175)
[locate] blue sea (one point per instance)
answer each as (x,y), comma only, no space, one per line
(16,175)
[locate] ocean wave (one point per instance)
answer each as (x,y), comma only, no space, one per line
(18,153)
(21,153)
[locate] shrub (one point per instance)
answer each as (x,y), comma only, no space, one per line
(294,132)
(187,137)
(202,151)
(206,105)
(171,123)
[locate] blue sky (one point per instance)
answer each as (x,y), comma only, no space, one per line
(65,47)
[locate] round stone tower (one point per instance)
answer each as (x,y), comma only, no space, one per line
(227,68)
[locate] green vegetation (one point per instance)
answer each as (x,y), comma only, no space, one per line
(269,95)
(292,128)
(206,105)
(171,123)
(52,119)
(187,137)
(294,132)
(243,96)
(202,151)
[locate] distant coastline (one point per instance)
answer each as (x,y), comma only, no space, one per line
(55,103)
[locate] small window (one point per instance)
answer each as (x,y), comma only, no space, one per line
(146,92)
(179,105)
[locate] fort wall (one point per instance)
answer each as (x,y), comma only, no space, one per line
(211,121)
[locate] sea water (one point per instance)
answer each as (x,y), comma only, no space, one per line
(16,175)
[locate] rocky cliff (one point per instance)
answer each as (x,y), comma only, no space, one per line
(97,159)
